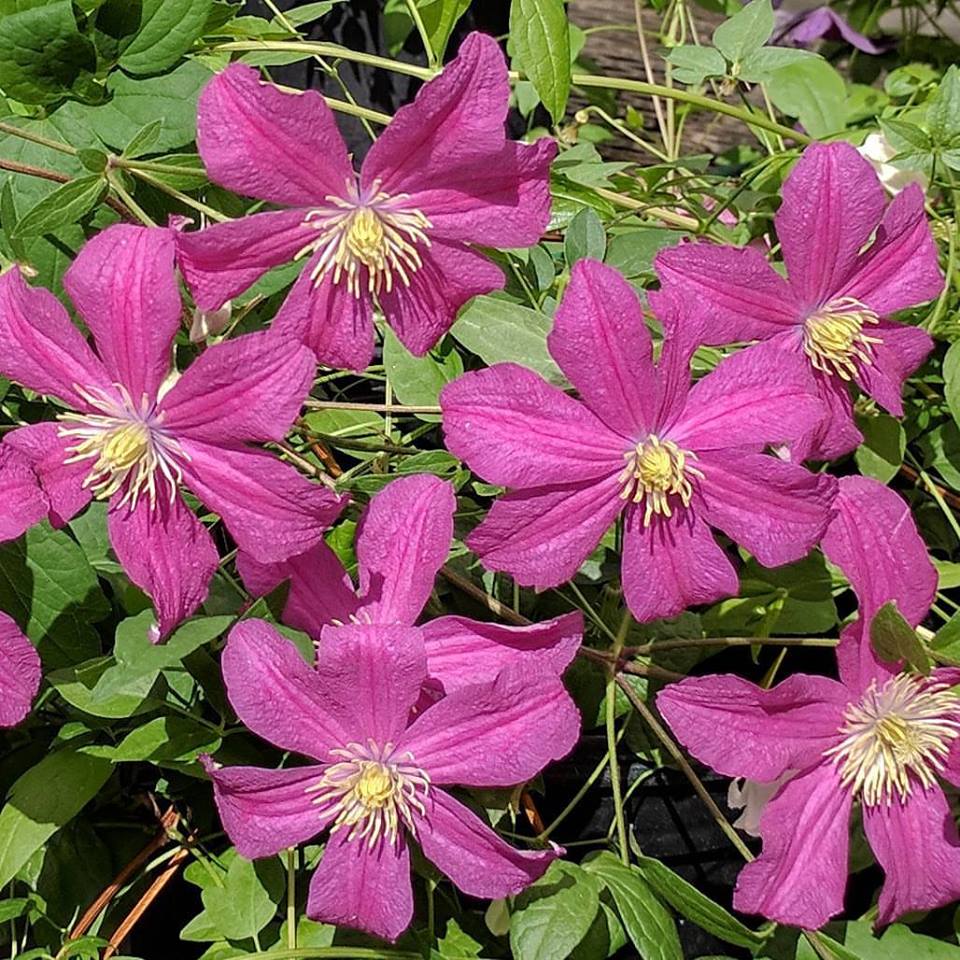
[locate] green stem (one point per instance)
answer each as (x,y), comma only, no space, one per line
(151,167)
(292,898)
(611,725)
(131,204)
(681,761)
(414,11)
(578,79)
(15,131)
(182,197)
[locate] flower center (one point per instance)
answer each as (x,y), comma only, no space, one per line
(371,792)
(834,340)
(898,732)
(127,444)
(657,470)
(368,243)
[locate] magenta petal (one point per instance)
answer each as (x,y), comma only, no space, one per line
(874,540)
(742,730)
(462,651)
(247,389)
(380,670)
(448,151)
(167,552)
(917,845)
(40,347)
(362,886)
(832,203)
(124,286)
(320,589)
(450,275)
(777,510)
(743,404)
(24,503)
(402,540)
(515,429)
(542,536)
(740,296)
(330,320)
(475,858)
(259,141)
(456,120)
(61,482)
(902,351)
(901,268)
(672,565)
(266,811)
(19,673)
(222,261)
(837,433)
(500,200)
(270,510)
(800,877)
(497,733)
(279,697)
(602,344)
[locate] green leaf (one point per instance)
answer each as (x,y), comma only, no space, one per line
(945,646)
(898,942)
(440,17)
(48,587)
(67,204)
(746,31)
(498,330)
(307,12)
(951,380)
(906,137)
(894,639)
(757,66)
(165,739)
(632,252)
(648,922)
(813,92)
(884,444)
(693,64)
(168,28)
(943,108)
(42,800)
(78,685)
(144,140)
(688,901)
(585,237)
(553,915)
(540,39)
(134,103)
(43,56)
(246,902)
(8,221)
(418,380)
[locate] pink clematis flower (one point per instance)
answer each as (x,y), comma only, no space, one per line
(674,461)
(135,438)
(879,737)
(830,318)
(403,539)
(377,778)
(441,176)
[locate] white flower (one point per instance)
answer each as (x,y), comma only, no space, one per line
(877,149)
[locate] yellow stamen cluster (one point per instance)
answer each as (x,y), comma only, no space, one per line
(127,444)
(834,340)
(371,793)
(369,244)
(896,734)
(657,470)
